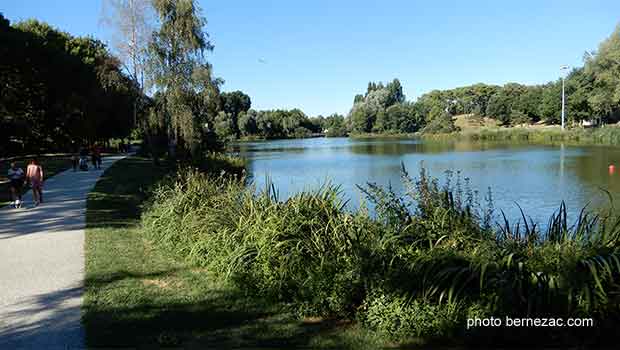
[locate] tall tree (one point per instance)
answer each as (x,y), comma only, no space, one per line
(177,58)
(605,69)
(132,22)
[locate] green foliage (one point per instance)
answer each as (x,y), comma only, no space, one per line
(518,117)
(604,98)
(592,93)
(180,72)
(402,318)
(427,259)
(551,103)
(502,103)
(440,122)
(59,91)
(225,126)
(234,103)
(277,124)
(247,124)
(595,136)
(383,109)
(334,126)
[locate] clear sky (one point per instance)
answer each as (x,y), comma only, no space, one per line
(316,55)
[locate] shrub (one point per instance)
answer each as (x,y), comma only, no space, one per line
(402,318)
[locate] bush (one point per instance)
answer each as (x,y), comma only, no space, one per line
(402,318)
(441,124)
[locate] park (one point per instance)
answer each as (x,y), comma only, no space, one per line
(191,174)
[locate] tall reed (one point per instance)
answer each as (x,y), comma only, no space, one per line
(430,253)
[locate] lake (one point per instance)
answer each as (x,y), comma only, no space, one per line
(537,177)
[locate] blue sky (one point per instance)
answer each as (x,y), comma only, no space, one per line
(319,54)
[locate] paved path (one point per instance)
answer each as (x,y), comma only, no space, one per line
(42,265)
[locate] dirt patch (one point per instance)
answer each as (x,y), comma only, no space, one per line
(471,121)
(162,283)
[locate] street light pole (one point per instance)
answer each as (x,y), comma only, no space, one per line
(563,98)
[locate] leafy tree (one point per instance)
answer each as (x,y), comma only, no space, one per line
(551,103)
(440,122)
(579,85)
(234,103)
(371,107)
(176,59)
(527,106)
(501,104)
(604,68)
(518,117)
(59,90)
(362,118)
(395,93)
(224,126)
(335,125)
(247,124)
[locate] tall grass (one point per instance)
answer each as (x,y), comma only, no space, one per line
(427,260)
(596,136)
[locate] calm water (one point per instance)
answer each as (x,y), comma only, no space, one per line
(536,177)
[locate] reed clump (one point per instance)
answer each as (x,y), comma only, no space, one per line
(423,263)
(609,135)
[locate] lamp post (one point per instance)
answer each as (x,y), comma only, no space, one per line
(562,68)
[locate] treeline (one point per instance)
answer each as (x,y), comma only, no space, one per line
(245,123)
(236,120)
(58,90)
(592,93)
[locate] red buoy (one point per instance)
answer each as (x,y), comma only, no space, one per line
(612,168)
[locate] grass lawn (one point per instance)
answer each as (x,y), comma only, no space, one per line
(140,296)
(52,165)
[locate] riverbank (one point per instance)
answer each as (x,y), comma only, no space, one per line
(417,271)
(139,294)
(607,136)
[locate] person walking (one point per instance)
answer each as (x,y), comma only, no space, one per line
(93,157)
(83,159)
(75,160)
(97,156)
(34,176)
(16,178)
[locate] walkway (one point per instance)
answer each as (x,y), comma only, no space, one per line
(42,265)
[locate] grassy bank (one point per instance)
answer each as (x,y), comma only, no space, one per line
(416,272)
(608,136)
(52,165)
(367,136)
(141,295)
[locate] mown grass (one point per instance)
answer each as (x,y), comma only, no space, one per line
(52,165)
(139,295)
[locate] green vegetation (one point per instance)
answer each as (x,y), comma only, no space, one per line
(59,91)
(52,165)
(277,124)
(139,295)
(428,261)
(597,136)
(591,91)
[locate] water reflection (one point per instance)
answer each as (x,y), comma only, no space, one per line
(536,177)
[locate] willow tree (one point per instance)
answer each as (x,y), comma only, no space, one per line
(178,68)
